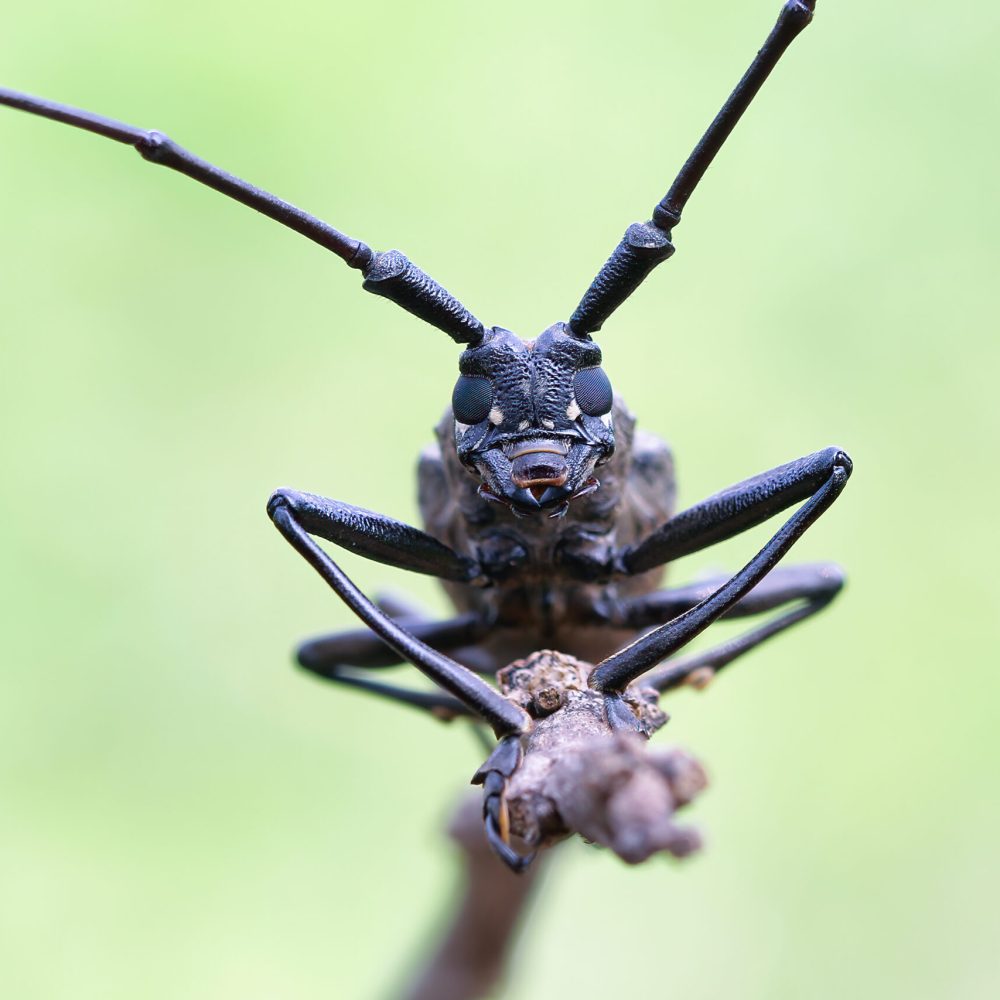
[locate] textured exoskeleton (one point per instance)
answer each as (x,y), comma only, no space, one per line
(549,517)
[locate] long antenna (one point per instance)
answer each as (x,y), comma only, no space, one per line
(389,274)
(646,244)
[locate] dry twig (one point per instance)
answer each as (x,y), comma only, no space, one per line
(580,775)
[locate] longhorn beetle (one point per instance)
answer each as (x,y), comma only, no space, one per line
(549,518)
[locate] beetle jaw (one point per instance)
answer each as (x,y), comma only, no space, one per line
(537,475)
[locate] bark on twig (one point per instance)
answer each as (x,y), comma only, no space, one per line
(471,957)
(582,775)
(578,774)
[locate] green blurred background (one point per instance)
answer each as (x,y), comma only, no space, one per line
(185,815)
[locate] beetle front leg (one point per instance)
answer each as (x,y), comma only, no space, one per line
(494,776)
(743,506)
(503,716)
(734,510)
(376,536)
(721,516)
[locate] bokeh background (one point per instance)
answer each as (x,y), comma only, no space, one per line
(185,815)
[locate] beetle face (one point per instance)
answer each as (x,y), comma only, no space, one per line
(533,418)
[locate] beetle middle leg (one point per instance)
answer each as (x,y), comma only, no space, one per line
(810,588)
(342,656)
(818,479)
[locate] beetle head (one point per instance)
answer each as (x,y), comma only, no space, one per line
(533,418)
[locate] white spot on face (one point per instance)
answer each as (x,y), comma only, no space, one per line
(548,425)
(461,428)
(573,410)
(606,420)
(496,417)
(523,425)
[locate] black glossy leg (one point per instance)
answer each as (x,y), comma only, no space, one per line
(376,536)
(343,656)
(442,706)
(699,668)
(398,605)
(389,274)
(623,667)
(721,516)
(811,588)
(646,244)
(734,510)
(362,648)
(502,715)
(493,776)
(784,584)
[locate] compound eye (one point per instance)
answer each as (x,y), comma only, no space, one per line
(471,399)
(592,389)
